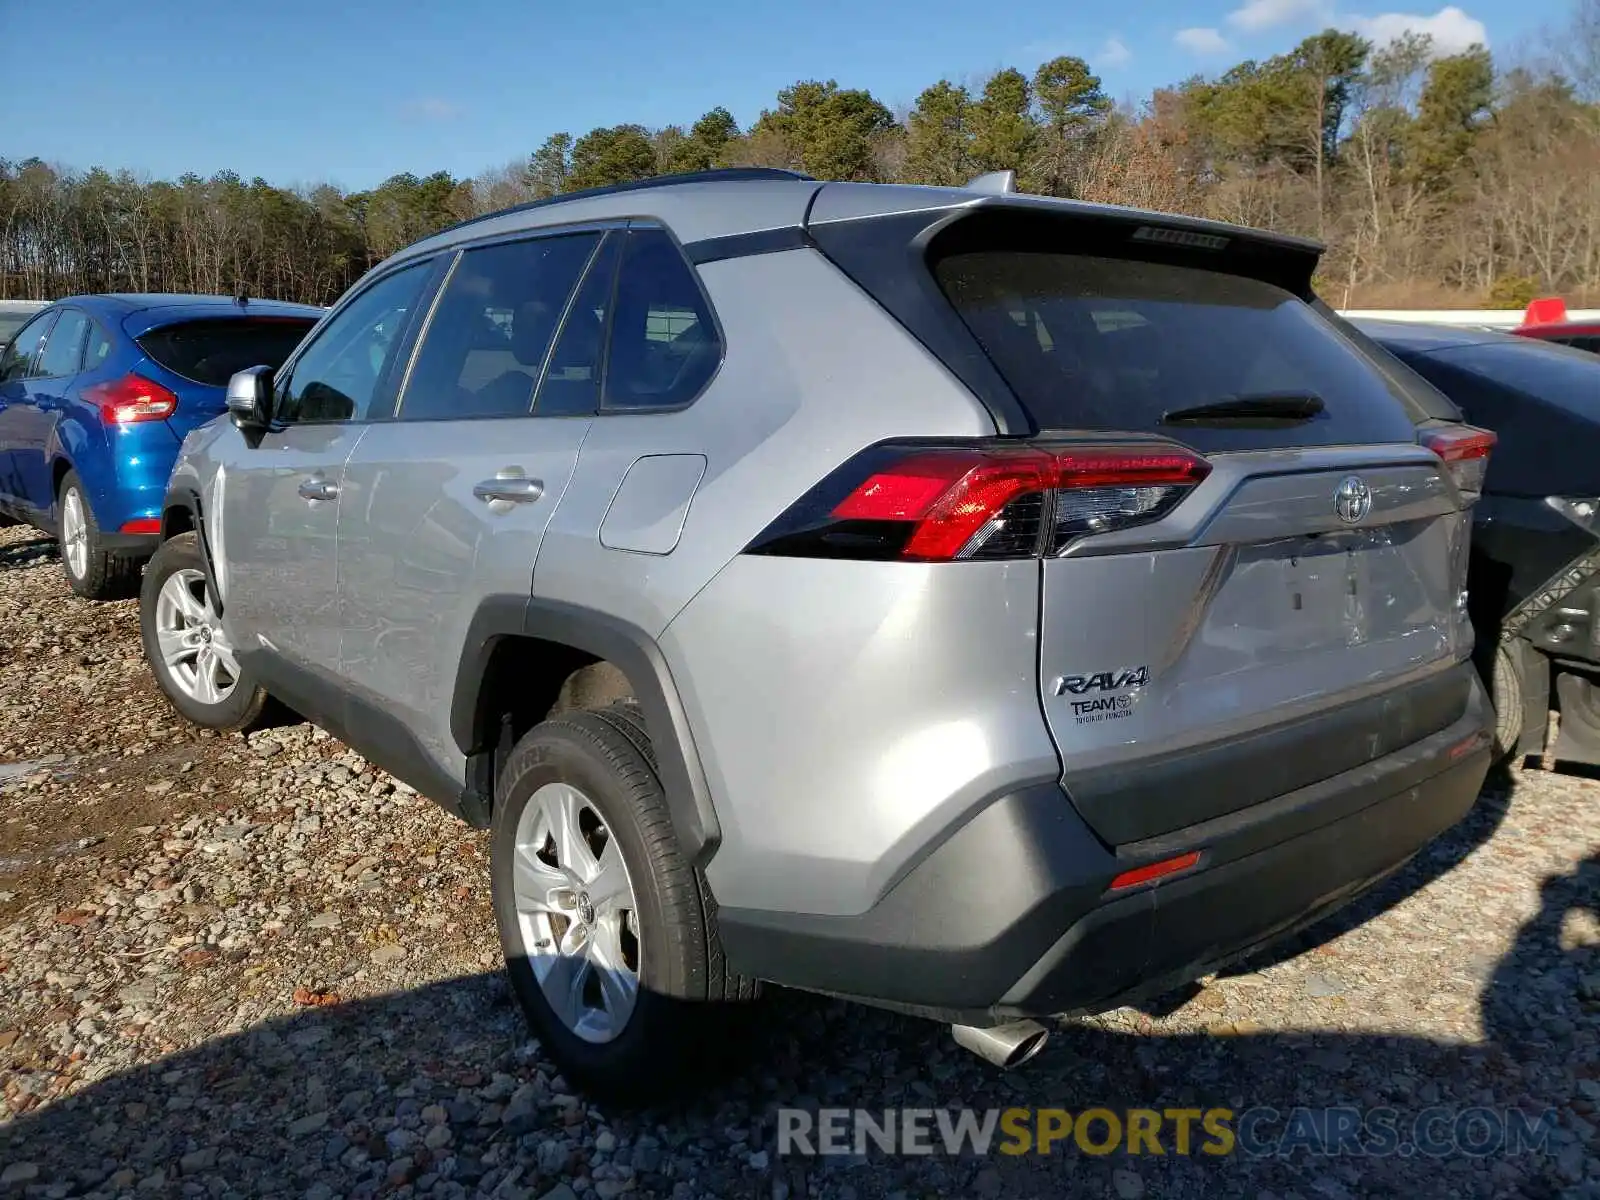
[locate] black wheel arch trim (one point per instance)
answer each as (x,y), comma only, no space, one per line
(186,499)
(630,650)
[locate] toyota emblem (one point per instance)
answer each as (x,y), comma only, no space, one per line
(1352,499)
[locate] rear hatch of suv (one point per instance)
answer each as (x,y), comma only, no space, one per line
(1252,532)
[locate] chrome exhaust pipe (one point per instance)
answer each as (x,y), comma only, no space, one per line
(1005,1046)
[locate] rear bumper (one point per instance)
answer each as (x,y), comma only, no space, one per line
(1013,914)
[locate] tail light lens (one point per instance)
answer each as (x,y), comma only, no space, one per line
(131,399)
(1465,451)
(920,503)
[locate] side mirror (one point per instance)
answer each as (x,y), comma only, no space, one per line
(250,399)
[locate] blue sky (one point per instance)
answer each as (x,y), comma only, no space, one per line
(351,91)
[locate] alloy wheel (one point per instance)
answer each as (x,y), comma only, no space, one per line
(197,653)
(576,912)
(74,533)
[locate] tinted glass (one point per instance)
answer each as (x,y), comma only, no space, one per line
(63,350)
(338,376)
(1100,343)
(664,345)
(213,351)
(572,381)
(19,356)
(99,347)
(1556,374)
(487,339)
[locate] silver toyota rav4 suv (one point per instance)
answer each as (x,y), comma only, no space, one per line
(985,606)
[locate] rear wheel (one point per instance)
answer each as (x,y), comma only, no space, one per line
(188,650)
(1505,684)
(91,570)
(609,940)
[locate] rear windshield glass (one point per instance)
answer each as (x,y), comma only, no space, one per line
(1557,374)
(212,351)
(1113,344)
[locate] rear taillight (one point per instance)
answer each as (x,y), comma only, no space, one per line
(131,399)
(1465,451)
(920,503)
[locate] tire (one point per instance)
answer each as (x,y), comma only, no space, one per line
(1504,682)
(92,571)
(598,768)
(178,569)
(629,719)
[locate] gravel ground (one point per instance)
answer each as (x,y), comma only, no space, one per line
(260,967)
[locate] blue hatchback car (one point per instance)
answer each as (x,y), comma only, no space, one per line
(96,395)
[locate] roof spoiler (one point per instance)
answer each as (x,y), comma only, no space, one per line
(995,183)
(1546,310)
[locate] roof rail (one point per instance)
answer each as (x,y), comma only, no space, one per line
(719,175)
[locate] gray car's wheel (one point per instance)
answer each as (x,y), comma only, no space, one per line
(91,570)
(189,652)
(1504,683)
(609,941)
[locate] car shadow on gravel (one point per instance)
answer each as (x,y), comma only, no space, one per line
(28,553)
(438,1091)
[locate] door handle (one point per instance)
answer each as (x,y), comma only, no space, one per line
(514,489)
(318,489)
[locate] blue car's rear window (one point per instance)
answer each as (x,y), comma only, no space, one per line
(211,351)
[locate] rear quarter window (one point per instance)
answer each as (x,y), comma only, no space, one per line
(211,351)
(1091,343)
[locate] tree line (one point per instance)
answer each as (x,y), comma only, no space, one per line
(1432,178)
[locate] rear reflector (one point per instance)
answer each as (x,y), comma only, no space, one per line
(142,525)
(1157,870)
(131,399)
(919,503)
(1465,451)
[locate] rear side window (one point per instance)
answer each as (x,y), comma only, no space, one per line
(487,340)
(212,351)
(99,347)
(571,384)
(1090,343)
(664,342)
(63,351)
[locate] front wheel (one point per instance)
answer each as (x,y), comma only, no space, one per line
(188,650)
(610,942)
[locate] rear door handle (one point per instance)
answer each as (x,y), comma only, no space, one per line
(318,489)
(514,489)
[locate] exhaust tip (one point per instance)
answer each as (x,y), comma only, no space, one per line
(1005,1046)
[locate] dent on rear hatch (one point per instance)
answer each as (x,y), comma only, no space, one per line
(1148,651)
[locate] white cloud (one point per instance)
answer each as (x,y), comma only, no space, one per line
(434,108)
(1202,41)
(1114,53)
(1264,14)
(1451,29)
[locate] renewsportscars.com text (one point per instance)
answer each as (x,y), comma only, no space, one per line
(1261,1131)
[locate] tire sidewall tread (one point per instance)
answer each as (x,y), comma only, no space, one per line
(106,576)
